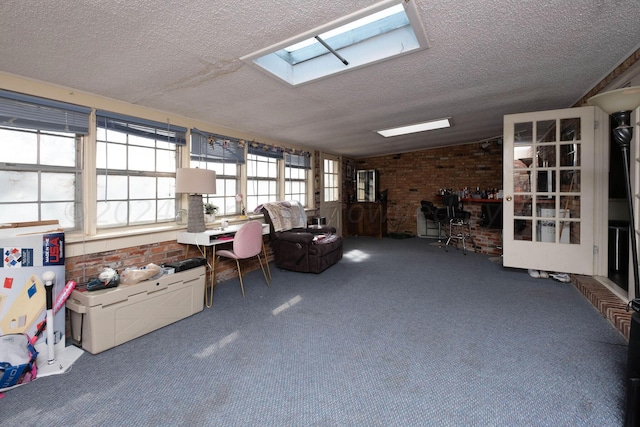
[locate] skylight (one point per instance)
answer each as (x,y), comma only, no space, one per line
(385,30)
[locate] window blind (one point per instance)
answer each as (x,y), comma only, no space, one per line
(266,151)
(210,147)
(301,161)
(142,127)
(31,112)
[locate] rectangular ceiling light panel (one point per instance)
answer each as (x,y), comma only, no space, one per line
(418,127)
(380,32)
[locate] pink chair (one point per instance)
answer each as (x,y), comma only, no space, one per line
(247,243)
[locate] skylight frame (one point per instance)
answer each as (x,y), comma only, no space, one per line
(398,42)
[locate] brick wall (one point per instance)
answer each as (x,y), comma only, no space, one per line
(412,177)
(85,267)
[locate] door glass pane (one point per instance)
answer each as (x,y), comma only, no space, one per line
(571,204)
(570,232)
(570,181)
(521,205)
(524,160)
(522,181)
(546,181)
(570,155)
(523,133)
(522,229)
(546,131)
(545,206)
(570,129)
(545,231)
(546,156)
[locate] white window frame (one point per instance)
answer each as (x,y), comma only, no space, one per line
(42,205)
(160,201)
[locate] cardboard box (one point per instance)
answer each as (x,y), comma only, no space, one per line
(28,251)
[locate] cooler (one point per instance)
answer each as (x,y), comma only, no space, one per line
(106,318)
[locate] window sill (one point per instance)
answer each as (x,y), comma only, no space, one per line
(78,244)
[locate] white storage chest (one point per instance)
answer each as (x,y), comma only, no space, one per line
(106,318)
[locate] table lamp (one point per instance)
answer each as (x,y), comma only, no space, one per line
(195,182)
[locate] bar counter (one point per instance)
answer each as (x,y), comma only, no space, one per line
(488,240)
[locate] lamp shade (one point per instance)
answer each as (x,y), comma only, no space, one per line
(195,181)
(615,101)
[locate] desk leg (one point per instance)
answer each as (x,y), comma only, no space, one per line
(264,252)
(208,298)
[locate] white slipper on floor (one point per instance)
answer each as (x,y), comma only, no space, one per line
(544,274)
(534,273)
(561,277)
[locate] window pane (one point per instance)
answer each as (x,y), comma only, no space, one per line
(167,187)
(116,188)
(57,150)
(116,154)
(19,186)
(166,161)
(58,186)
(18,146)
(142,159)
(112,214)
(143,211)
(141,141)
(19,212)
(166,209)
(142,187)
(63,212)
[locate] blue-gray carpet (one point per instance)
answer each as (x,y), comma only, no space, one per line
(399,333)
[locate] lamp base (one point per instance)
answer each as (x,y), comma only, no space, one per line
(195,222)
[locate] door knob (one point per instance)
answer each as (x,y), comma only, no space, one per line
(509,198)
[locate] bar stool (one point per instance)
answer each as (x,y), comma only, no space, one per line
(459,225)
(434,214)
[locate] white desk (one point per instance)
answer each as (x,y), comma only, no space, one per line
(211,239)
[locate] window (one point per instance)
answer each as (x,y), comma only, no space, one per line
(383,31)
(40,164)
(295,177)
(136,163)
(41,179)
(262,175)
(331,181)
(223,155)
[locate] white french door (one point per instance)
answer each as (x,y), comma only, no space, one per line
(330,206)
(549,190)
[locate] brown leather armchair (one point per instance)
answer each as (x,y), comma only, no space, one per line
(297,246)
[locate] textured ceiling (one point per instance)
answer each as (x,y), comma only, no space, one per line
(487,58)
